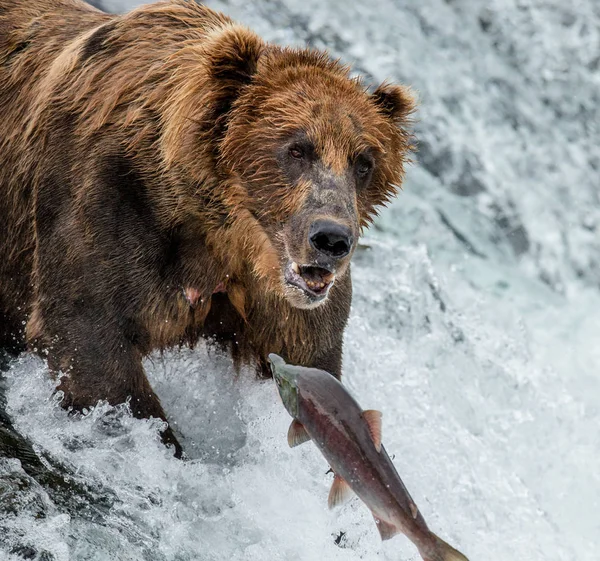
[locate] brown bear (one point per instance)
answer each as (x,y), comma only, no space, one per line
(167,175)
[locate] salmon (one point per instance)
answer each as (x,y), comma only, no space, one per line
(350,440)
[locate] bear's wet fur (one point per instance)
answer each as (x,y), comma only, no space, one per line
(167,175)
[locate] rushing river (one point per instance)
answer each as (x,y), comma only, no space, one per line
(475,328)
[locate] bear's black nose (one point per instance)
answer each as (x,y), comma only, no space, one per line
(330,238)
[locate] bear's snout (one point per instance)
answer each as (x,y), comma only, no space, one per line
(330,238)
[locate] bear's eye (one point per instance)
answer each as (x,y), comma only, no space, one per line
(296,152)
(363,167)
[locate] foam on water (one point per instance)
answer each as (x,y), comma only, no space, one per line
(474,329)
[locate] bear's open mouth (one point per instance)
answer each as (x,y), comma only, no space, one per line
(314,281)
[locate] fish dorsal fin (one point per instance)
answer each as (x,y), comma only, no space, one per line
(386,530)
(340,492)
(373,420)
(297,434)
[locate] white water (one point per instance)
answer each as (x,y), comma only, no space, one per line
(474,328)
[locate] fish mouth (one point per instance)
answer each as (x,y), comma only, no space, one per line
(274,360)
(312,280)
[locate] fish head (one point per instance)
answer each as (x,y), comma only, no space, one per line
(287,383)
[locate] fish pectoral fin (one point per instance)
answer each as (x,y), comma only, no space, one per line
(339,493)
(373,419)
(386,530)
(297,434)
(414,509)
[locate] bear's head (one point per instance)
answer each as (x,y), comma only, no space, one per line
(306,155)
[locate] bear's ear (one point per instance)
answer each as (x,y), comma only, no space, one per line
(209,78)
(233,58)
(395,102)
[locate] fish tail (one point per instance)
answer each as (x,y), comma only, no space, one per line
(439,550)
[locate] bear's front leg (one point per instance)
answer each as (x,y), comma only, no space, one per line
(98,360)
(100,263)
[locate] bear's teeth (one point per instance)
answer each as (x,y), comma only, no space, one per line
(295,267)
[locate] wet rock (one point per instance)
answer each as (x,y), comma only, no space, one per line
(459,170)
(340,539)
(469,181)
(65,490)
(511,228)
(459,235)
(437,160)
